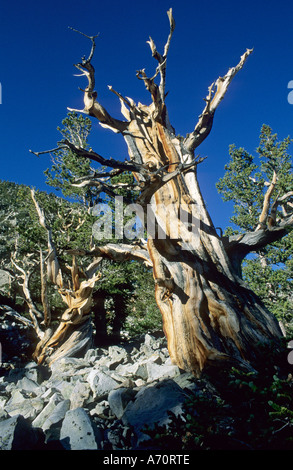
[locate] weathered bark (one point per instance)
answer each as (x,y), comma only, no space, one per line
(73,336)
(209,314)
(74,333)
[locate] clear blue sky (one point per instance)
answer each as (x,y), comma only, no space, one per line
(38,52)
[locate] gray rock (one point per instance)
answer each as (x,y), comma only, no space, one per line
(118,400)
(80,394)
(114,437)
(92,355)
(150,344)
(67,366)
(17,434)
(3,401)
(101,383)
(47,393)
(127,370)
(46,411)
(151,405)
(62,386)
(187,381)
(27,407)
(141,371)
(117,355)
(157,371)
(27,385)
(77,432)
(37,373)
(57,415)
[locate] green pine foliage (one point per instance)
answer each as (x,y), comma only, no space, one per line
(268,272)
(66,167)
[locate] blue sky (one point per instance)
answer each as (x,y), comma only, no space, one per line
(38,51)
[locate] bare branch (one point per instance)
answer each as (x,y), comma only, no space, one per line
(216,93)
(92,38)
(44,291)
(9,312)
(158,92)
(162,59)
(53,269)
(91,106)
(107,162)
(285,196)
(116,252)
(239,246)
(61,147)
(263,218)
(33,311)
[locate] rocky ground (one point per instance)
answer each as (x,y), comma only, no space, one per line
(103,401)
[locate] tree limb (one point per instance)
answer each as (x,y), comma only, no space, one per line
(158,92)
(239,246)
(116,252)
(262,221)
(33,311)
(54,273)
(91,106)
(107,162)
(216,93)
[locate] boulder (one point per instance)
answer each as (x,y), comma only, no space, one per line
(57,415)
(151,405)
(46,411)
(20,405)
(77,432)
(37,373)
(101,401)
(118,400)
(101,383)
(159,371)
(80,394)
(27,385)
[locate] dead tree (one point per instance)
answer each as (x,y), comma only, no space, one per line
(73,334)
(210,316)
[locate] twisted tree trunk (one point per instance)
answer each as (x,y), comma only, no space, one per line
(209,314)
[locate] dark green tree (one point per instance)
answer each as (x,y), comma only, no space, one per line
(261,189)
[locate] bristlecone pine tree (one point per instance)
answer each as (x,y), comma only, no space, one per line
(210,316)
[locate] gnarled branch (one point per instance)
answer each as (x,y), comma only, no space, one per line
(263,218)
(116,252)
(158,92)
(91,106)
(216,93)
